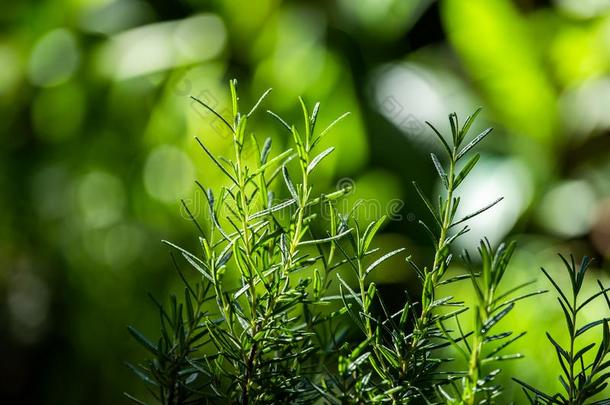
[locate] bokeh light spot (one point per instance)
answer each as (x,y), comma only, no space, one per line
(28,305)
(11,69)
(490,180)
(156,47)
(168,173)
(54,59)
(101,199)
(115,16)
(568,209)
(200,37)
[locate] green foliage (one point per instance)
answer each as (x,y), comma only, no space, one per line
(582,376)
(485,346)
(404,355)
(261,326)
(256,345)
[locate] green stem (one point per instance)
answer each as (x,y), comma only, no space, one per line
(433,275)
(250,361)
(573,391)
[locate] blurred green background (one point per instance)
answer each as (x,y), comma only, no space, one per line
(97,148)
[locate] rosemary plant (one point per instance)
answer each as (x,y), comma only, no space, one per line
(259,326)
(397,357)
(445,231)
(255,345)
(582,377)
(484,346)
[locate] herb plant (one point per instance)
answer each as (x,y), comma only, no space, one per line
(486,346)
(582,378)
(404,356)
(262,323)
(253,342)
